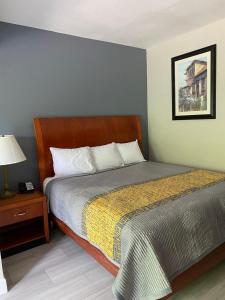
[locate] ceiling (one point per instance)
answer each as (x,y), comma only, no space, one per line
(139,23)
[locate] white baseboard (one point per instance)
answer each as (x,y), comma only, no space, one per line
(3,283)
(3,286)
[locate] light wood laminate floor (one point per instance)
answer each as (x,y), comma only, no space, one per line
(62,270)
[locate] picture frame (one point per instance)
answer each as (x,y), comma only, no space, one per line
(194,84)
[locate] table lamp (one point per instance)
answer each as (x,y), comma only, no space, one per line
(10,153)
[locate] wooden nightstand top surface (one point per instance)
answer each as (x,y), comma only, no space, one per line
(21,199)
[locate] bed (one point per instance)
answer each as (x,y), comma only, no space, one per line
(68,132)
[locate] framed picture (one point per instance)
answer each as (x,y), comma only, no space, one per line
(194,84)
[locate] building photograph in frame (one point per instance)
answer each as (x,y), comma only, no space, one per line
(194,84)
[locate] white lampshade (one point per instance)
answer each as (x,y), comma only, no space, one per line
(10,151)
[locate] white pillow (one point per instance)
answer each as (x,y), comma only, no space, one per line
(106,157)
(74,161)
(130,152)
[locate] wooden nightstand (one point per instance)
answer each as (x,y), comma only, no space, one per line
(23,219)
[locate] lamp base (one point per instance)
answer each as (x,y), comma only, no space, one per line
(7,194)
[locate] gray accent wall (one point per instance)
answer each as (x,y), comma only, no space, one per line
(44,73)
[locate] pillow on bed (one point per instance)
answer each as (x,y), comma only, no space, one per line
(130,152)
(106,157)
(74,161)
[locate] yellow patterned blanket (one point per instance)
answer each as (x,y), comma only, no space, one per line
(105,215)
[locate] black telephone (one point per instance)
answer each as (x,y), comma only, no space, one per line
(26,187)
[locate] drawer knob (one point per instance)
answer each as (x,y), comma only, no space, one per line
(21,214)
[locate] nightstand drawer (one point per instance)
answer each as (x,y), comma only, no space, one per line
(19,214)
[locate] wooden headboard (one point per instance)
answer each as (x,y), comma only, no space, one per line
(72,132)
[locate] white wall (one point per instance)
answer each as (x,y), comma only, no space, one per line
(3,286)
(198,143)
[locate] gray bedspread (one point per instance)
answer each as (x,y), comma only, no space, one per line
(158,244)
